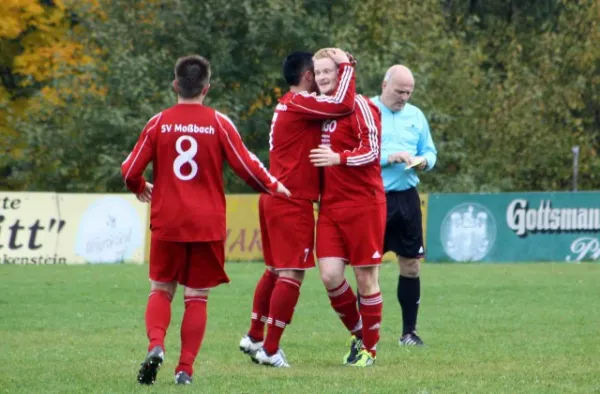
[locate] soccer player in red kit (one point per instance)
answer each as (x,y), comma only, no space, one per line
(352,215)
(287,224)
(187,145)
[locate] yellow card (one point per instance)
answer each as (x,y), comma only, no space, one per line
(415,163)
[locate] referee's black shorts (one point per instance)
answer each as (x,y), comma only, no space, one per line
(404,229)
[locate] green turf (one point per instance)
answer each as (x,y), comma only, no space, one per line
(510,328)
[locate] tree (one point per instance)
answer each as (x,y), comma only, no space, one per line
(246,55)
(533,117)
(490,79)
(38,46)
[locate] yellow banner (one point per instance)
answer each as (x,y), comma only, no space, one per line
(51,228)
(243,228)
(29,228)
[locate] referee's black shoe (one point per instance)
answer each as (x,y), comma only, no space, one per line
(410,339)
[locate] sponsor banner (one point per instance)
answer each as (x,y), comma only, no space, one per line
(243,229)
(512,227)
(51,228)
(30,226)
(102,228)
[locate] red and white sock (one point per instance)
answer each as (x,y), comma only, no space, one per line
(158,317)
(192,332)
(343,301)
(283,301)
(371,308)
(260,305)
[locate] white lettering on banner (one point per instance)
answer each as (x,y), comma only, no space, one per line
(523,220)
(584,248)
(120,241)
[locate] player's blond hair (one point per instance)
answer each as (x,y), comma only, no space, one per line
(322,54)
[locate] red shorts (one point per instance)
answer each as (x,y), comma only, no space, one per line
(354,234)
(287,228)
(197,265)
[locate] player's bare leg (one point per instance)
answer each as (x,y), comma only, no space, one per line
(253,340)
(192,332)
(343,301)
(409,295)
(158,317)
(281,309)
(371,306)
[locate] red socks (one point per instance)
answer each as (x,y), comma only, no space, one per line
(343,302)
(192,332)
(283,301)
(158,317)
(260,305)
(371,307)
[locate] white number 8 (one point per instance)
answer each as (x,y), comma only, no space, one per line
(185,156)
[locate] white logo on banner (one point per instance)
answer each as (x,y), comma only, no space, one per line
(110,231)
(468,232)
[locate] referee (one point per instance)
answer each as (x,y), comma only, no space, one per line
(406,140)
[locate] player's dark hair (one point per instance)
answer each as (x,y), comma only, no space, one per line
(192,74)
(294,65)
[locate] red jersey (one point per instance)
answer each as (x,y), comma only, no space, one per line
(296,129)
(357,138)
(187,145)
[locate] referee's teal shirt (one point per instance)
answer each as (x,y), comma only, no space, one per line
(404,131)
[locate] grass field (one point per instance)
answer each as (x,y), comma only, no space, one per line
(509,328)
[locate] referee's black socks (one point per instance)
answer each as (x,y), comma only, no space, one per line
(409,294)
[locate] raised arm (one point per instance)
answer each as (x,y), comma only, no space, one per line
(318,106)
(134,165)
